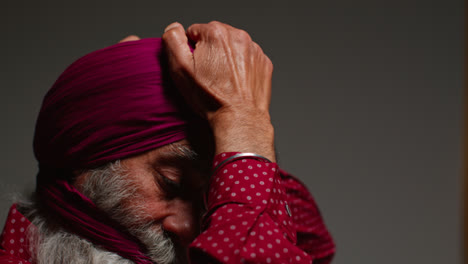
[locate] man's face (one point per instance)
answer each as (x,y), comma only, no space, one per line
(157,196)
(170,186)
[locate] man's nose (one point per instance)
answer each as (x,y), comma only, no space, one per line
(182,220)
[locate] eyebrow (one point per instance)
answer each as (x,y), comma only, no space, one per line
(178,154)
(182,154)
(183,151)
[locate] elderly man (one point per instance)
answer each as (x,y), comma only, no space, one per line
(133,170)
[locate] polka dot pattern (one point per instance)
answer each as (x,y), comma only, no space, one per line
(257,213)
(249,217)
(13,245)
(312,234)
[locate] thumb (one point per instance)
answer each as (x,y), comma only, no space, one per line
(177,48)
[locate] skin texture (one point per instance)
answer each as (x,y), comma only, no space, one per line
(170,191)
(227,80)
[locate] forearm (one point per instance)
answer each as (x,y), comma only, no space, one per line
(244,132)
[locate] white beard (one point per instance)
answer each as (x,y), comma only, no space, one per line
(108,188)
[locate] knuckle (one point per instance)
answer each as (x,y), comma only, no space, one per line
(270,65)
(217,31)
(169,35)
(242,35)
(257,47)
(215,23)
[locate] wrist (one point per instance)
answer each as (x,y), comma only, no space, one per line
(243,132)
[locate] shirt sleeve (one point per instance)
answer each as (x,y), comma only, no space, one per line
(312,234)
(259,214)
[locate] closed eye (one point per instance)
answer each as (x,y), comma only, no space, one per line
(170,186)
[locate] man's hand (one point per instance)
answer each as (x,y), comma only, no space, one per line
(129,38)
(227,79)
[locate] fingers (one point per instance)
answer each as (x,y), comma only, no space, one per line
(215,31)
(130,38)
(193,32)
(212,30)
(177,47)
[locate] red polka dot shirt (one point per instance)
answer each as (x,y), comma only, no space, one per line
(257,213)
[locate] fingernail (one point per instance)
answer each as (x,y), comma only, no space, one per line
(171,26)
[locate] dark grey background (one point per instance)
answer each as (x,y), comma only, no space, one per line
(367,104)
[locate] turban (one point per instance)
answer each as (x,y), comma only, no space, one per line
(110,104)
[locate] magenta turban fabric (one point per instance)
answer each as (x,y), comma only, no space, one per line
(110,104)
